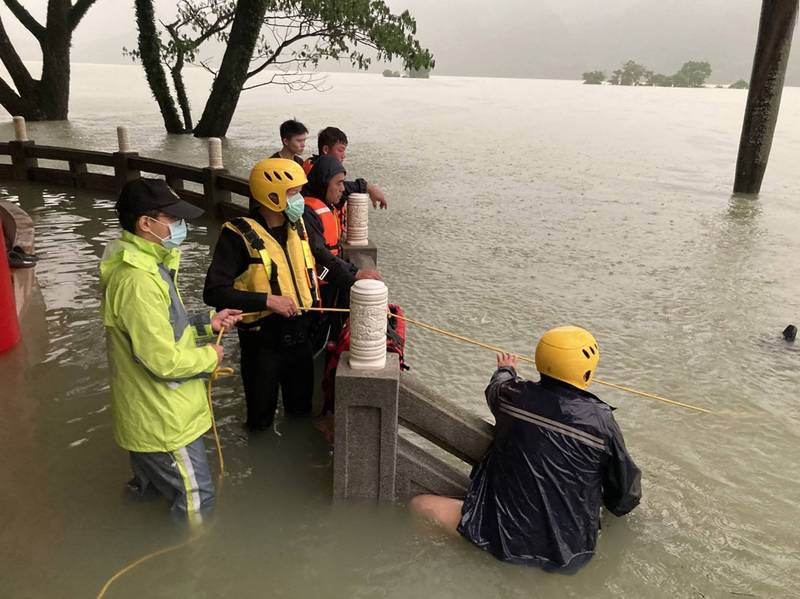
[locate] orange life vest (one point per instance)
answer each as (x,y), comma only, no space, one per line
(331,229)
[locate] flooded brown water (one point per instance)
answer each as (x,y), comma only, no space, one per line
(515,205)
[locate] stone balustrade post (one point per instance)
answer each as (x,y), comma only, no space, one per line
(20,163)
(213,194)
(122,171)
(357,246)
(367,391)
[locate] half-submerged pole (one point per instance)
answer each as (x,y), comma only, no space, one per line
(774,43)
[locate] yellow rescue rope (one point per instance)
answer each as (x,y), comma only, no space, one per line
(217,374)
(522,358)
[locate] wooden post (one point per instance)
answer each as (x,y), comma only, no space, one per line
(774,43)
(20,163)
(78,170)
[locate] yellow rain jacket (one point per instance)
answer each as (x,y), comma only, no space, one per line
(157,369)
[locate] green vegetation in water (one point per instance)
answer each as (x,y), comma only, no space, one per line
(390,73)
(419,73)
(691,74)
(741,84)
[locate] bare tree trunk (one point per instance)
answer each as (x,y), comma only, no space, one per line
(54,85)
(48,98)
(149,50)
(774,43)
(180,91)
(232,73)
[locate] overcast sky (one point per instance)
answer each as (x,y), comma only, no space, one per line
(511,38)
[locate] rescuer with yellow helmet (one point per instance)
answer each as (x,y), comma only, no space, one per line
(557,457)
(263,264)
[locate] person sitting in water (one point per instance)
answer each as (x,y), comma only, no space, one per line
(293,136)
(557,456)
(333,142)
(157,369)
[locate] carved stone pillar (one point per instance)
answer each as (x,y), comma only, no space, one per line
(368,306)
(358,219)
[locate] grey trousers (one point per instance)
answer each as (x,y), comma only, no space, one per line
(182,476)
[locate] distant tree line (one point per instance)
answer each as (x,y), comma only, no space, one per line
(691,74)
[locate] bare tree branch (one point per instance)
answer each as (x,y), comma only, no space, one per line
(10,100)
(296,80)
(208,68)
(77,12)
(24,17)
(287,42)
(20,75)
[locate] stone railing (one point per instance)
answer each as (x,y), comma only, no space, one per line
(396,438)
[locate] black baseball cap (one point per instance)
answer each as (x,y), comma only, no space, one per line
(141,196)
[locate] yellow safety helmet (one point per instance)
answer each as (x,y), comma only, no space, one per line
(569,354)
(275,176)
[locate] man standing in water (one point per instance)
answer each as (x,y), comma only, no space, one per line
(263,265)
(158,370)
(557,456)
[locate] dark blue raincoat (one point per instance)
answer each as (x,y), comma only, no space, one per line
(557,456)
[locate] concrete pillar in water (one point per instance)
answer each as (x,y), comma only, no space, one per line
(213,194)
(20,163)
(367,391)
(122,172)
(774,43)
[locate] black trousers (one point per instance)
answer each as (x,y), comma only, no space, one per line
(270,362)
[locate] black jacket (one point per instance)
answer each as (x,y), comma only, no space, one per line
(557,456)
(231,258)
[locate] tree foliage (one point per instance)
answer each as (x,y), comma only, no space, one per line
(594,77)
(630,73)
(293,38)
(691,74)
(740,84)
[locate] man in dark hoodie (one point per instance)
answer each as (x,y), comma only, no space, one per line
(558,455)
(322,195)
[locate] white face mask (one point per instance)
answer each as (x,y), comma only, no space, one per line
(295,206)
(177,233)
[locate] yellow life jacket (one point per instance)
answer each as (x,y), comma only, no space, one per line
(272,269)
